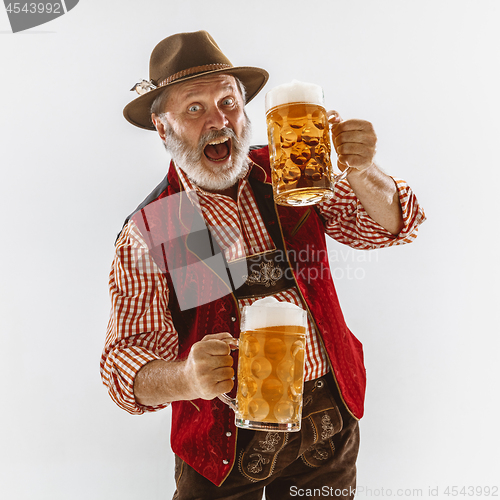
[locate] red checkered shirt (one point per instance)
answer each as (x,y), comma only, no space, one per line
(141,329)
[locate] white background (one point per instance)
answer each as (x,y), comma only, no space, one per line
(425,73)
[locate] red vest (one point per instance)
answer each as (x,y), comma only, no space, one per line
(203,432)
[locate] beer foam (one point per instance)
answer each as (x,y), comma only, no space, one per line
(294,91)
(271,312)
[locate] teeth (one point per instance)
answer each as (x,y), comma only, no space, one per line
(218,141)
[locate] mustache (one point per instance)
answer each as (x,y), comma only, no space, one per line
(212,135)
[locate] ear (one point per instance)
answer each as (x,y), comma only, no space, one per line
(159,126)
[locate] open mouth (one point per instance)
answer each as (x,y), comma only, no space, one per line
(218,150)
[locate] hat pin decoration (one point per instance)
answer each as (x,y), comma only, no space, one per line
(143,87)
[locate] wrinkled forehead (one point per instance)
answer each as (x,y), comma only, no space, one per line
(205,85)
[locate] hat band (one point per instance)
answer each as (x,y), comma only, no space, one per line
(192,71)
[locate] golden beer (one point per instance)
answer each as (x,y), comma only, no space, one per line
(270,366)
(271,378)
(299,144)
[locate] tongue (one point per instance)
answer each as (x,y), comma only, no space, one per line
(217,151)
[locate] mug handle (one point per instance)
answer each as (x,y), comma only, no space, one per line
(343,175)
(232,403)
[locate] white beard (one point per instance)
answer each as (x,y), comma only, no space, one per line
(189,159)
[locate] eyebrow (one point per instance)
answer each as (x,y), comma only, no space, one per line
(192,93)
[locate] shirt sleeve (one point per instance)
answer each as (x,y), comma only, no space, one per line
(347,221)
(140,327)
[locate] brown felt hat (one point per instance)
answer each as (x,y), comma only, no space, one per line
(182,57)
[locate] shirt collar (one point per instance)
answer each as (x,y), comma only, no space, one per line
(193,190)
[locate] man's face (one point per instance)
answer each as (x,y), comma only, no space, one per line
(206,130)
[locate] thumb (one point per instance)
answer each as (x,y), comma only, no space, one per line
(342,166)
(334,117)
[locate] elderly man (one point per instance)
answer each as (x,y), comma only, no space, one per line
(173,322)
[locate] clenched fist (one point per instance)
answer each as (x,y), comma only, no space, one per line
(209,365)
(354,141)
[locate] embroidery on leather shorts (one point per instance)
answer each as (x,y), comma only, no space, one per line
(327,426)
(268,275)
(269,443)
(256,466)
(320,454)
(260,465)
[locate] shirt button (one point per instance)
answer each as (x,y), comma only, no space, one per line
(233,319)
(225,462)
(228,434)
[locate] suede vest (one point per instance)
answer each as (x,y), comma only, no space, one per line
(203,432)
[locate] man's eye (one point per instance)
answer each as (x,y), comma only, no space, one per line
(194,108)
(228,102)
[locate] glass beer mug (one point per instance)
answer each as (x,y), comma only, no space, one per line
(270,367)
(299,144)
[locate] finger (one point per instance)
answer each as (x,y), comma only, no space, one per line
(221,374)
(333,117)
(223,387)
(216,375)
(222,362)
(354,148)
(232,342)
(210,347)
(207,371)
(214,388)
(217,336)
(353,124)
(356,136)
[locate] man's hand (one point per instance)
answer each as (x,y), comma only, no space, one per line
(354,142)
(206,373)
(209,366)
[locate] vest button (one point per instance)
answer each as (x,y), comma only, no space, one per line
(233,319)
(225,462)
(319,384)
(228,434)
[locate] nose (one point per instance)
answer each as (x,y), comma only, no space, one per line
(216,119)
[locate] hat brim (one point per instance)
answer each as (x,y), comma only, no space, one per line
(138,112)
